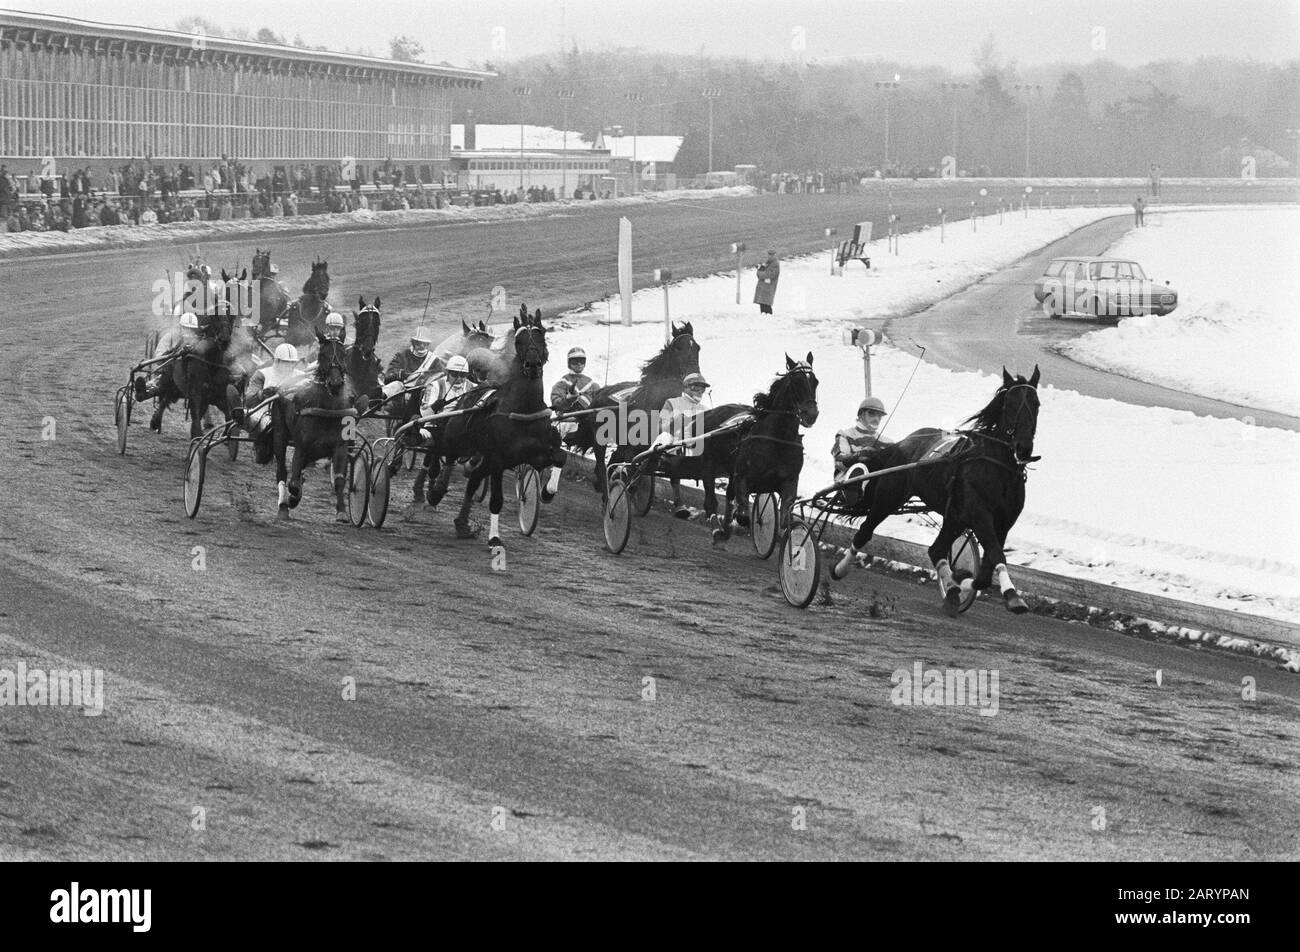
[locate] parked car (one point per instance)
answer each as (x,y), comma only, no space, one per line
(1106,288)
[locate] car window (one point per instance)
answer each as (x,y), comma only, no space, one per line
(1137,270)
(1055,268)
(1104,270)
(1122,271)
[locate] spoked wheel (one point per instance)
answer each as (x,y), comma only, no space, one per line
(196,465)
(122,416)
(617,521)
(764,516)
(800,564)
(964,557)
(357,488)
(380,483)
(642,494)
(528,490)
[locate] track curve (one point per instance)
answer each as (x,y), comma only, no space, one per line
(523,696)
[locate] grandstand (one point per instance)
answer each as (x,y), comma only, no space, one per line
(94,94)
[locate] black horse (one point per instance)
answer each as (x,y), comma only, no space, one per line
(313,418)
(305,317)
(661,378)
(363,365)
(509,428)
(200,373)
(980,486)
(769,456)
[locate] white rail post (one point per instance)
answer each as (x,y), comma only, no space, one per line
(737,249)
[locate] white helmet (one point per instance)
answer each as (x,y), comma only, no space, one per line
(335,319)
(287,352)
(422,335)
(577,353)
(190,319)
(458,365)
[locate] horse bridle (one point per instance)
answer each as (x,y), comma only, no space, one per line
(805,371)
(533,348)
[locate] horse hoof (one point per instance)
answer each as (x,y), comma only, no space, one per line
(840,569)
(719,536)
(465,530)
(742,520)
(284,513)
(1015,604)
(341,516)
(547,497)
(952,602)
(496,544)
(682,512)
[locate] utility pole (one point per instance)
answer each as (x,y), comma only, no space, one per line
(889,86)
(564,96)
(1029,89)
(521,92)
(710,95)
(636,118)
(954,87)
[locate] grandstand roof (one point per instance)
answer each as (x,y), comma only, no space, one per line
(506,137)
(65,32)
(647,149)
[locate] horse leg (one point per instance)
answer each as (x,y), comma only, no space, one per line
(883,505)
(339,467)
(994,565)
(496,500)
(680,510)
(949,590)
(464,530)
(280,448)
(598,479)
(295,477)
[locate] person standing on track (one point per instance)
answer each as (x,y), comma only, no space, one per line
(1139,207)
(769,272)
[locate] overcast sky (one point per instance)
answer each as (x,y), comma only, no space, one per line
(938,32)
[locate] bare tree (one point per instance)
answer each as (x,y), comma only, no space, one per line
(405,49)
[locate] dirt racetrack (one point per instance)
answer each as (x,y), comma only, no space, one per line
(508,715)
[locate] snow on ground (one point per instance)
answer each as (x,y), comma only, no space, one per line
(119,236)
(1235,335)
(1155,500)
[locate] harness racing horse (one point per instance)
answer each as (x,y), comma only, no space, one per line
(769,454)
(510,428)
(306,316)
(661,378)
(363,366)
(199,373)
(312,417)
(271,297)
(980,486)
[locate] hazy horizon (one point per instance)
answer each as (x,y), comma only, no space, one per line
(943,33)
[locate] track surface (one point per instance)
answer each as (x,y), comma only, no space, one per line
(523,690)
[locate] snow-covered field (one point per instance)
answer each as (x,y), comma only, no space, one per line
(1235,335)
(1155,500)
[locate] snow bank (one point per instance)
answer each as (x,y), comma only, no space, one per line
(1235,335)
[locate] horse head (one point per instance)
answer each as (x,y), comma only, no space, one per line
(795,391)
(365,324)
(679,357)
(1018,414)
(530,345)
(331,362)
(319,282)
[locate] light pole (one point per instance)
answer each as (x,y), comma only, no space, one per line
(954,87)
(636,118)
(564,95)
(521,92)
(710,95)
(888,86)
(1028,89)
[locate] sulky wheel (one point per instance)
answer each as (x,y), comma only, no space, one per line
(357,488)
(196,464)
(380,482)
(799,564)
(764,516)
(964,557)
(642,494)
(617,520)
(528,490)
(122,417)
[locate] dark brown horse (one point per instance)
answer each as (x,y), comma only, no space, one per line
(272,298)
(305,318)
(661,378)
(980,486)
